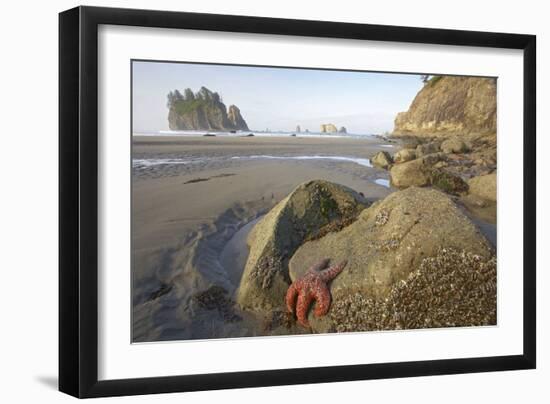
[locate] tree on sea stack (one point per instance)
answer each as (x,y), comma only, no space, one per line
(189,96)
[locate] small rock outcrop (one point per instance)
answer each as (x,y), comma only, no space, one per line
(415,172)
(328,128)
(427,171)
(404,155)
(382,159)
(484,186)
(342,130)
(447,181)
(451,105)
(427,148)
(310,211)
(414,248)
(203,110)
(454,145)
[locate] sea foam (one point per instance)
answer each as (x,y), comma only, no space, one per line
(145,163)
(357,160)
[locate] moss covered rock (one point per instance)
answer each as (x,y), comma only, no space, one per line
(447,181)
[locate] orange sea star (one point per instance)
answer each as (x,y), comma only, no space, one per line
(312,286)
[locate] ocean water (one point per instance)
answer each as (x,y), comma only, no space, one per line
(255,133)
(383,182)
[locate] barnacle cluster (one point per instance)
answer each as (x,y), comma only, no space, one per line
(381,218)
(265,270)
(384,245)
(452,289)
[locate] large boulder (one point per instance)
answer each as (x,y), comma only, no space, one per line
(448,181)
(413,173)
(404,155)
(310,211)
(454,145)
(387,246)
(427,148)
(426,171)
(382,159)
(484,186)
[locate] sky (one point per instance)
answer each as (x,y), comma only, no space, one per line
(278,98)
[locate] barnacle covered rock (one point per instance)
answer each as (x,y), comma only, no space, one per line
(452,289)
(386,244)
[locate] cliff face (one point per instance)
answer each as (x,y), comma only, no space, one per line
(450,105)
(202,111)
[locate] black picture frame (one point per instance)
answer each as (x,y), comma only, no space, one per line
(78,201)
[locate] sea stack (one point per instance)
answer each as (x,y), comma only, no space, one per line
(328,128)
(203,110)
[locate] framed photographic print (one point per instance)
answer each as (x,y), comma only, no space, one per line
(251,201)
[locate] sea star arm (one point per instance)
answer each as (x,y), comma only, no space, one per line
(322,300)
(291,295)
(330,273)
(304,300)
(319,266)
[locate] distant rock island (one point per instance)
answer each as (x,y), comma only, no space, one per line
(328,128)
(331,128)
(203,110)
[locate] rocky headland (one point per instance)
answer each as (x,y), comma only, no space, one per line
(448,141)
(203,110)
(449,105)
